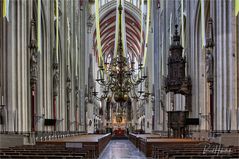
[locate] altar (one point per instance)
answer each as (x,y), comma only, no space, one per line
(119,132)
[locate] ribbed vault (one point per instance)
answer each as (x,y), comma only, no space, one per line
(107,33)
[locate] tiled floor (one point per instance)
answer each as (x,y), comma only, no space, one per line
(121,149)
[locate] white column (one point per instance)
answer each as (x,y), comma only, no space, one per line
(148,116)
(10,51)
(219,68)
(134,120)
(156,56)
(232,64)
(104,113)
(192,57)
(224,66)
(90,118)
(202,86)
(63,66)
(83,67)
(72,50)
(24,62)
(19,67)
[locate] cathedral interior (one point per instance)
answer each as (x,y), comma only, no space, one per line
(119,79)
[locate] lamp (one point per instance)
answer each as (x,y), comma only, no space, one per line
(103,96)
(120,75)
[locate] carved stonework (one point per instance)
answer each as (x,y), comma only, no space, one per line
(90,23)
(76,85)
(209,55)
(33,42)
(209,66)
(33,56)
(33,67)
(68,85)
(76,90)
(55,79)
(91,83)
(210,34)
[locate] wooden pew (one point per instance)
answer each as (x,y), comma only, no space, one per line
(90,147)
(146,145)
(135,138)
(186,151)
(96,141)
(44,151)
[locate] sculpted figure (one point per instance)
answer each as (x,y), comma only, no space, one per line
(209,66)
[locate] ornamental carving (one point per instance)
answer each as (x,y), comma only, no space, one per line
(33,56)
(209,66)
(77,91)
(176,81)
(68,85)
(56,78)
(91,83)
(33,67)
(209,54)
(90,22)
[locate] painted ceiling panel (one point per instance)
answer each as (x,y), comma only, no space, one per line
(107,33)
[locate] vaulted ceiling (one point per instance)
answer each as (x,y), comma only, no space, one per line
(107,33)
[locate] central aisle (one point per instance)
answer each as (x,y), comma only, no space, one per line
(121,149)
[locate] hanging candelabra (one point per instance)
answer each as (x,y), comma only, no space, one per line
(120,75)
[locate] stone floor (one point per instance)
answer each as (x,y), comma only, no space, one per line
(121,149)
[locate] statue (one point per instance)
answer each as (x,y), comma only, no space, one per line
(33,56)
(55,82)
(33,66)
(68,84)
(209,66)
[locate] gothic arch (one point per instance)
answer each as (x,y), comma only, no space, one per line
(108,15)
(199,82)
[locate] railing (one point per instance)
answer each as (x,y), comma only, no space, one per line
(44,136)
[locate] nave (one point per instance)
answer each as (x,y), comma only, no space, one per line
(119,79)
(137,146)
(118,149)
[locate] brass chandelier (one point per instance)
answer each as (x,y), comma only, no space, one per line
(120,75)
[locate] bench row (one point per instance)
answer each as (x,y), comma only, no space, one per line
(156,146)
(58,149)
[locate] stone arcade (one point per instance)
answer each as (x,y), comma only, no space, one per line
(106,78)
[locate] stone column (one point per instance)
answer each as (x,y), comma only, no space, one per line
(219,68)
(62,66)
(23,59)
(155,14)
(78,51)
(134,107)
(9,30)
(90,118)
(33,74)
(232,68)
(104,113)
(68,99)
(83,52)
(76,111)
(55,94)
(209,74)
(237,78)
(212,15)
(72,63)
(2,72)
